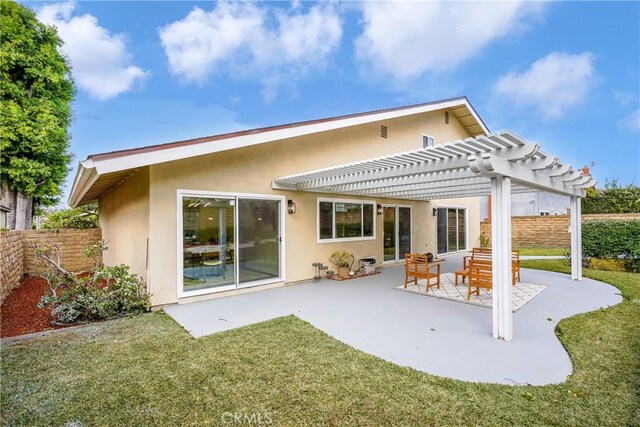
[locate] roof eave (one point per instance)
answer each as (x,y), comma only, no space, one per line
(85,177)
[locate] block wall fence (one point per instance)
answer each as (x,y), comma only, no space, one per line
(547,231)
(17,259)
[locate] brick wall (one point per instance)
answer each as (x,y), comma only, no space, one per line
(549,231)
(11,261)
(17,259)
(72,244)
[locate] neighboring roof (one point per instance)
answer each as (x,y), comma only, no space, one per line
(4,208)
(461,168)
(99,173)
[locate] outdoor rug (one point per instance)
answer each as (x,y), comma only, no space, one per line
(522,292)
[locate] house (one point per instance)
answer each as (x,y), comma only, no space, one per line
(534,203)
(198,217)
(209,216)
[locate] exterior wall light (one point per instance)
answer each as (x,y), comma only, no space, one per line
(435,211)
(291,207)
(379,209)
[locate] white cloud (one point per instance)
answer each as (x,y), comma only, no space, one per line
(100,61)
(553,85)
(250,40)
(406,39)
(631,122)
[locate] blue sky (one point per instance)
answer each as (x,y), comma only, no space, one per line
(564,74)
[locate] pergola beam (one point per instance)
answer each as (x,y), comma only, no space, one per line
(378,169)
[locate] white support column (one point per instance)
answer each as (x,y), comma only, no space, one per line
(576,238)
(501,253)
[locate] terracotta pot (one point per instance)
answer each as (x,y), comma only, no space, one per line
(343,272)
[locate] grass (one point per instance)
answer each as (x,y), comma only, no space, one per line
(148,371)
(541,251)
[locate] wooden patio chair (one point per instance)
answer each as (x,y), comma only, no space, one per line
(485,254)
(480,276)
(417,267)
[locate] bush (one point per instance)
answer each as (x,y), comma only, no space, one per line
(612,238)
(613,198)
(102,293)
(83,217)
(608,264)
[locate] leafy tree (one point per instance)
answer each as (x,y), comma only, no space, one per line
(82,217)
(613,198)
(36,91)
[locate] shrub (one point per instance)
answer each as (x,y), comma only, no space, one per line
(83,217)
(341,258)
(613,198)
(612,238)
(102,293)
(484,241)
(608,264)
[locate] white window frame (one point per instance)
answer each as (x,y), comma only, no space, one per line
(333,220)
(433,140)
(181,193)
(466,229)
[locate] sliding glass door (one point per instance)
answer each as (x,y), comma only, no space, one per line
(397,232)
(228,241)
(208,238)
(451,226)
(259,239)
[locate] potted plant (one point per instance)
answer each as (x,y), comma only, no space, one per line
(342,260)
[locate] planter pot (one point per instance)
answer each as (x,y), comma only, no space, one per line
(343,272)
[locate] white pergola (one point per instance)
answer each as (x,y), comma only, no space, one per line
(497,164)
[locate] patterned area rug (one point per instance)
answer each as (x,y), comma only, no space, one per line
(522,292)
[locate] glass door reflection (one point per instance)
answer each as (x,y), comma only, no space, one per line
(259,239)
(208,238)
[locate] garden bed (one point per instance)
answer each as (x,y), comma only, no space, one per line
(20,314)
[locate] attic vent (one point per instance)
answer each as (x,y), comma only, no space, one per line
(427,141)
(446,117)
(383,131)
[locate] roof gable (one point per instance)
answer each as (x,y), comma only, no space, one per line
(101,172)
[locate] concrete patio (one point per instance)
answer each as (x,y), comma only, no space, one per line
(436,336)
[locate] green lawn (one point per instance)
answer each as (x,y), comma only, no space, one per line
(529,251)
(148,371)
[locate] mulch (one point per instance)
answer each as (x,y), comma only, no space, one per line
(19,313)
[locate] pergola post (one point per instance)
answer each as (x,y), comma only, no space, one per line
(501,257)
(576,238)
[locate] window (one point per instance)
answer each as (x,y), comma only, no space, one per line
(427,141)
(340,220)
(3,218)
(451,226)
(545,213)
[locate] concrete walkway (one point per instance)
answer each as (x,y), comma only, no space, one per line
(437,336)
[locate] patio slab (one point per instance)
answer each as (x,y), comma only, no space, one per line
(521,294)
(432,335)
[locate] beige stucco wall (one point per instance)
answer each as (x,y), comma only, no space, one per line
(124,219)
(251,170)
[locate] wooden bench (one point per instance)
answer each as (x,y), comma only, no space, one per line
(480,276)
(485,254)
(418,267)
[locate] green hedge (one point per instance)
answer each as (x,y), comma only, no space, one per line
(612,238)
